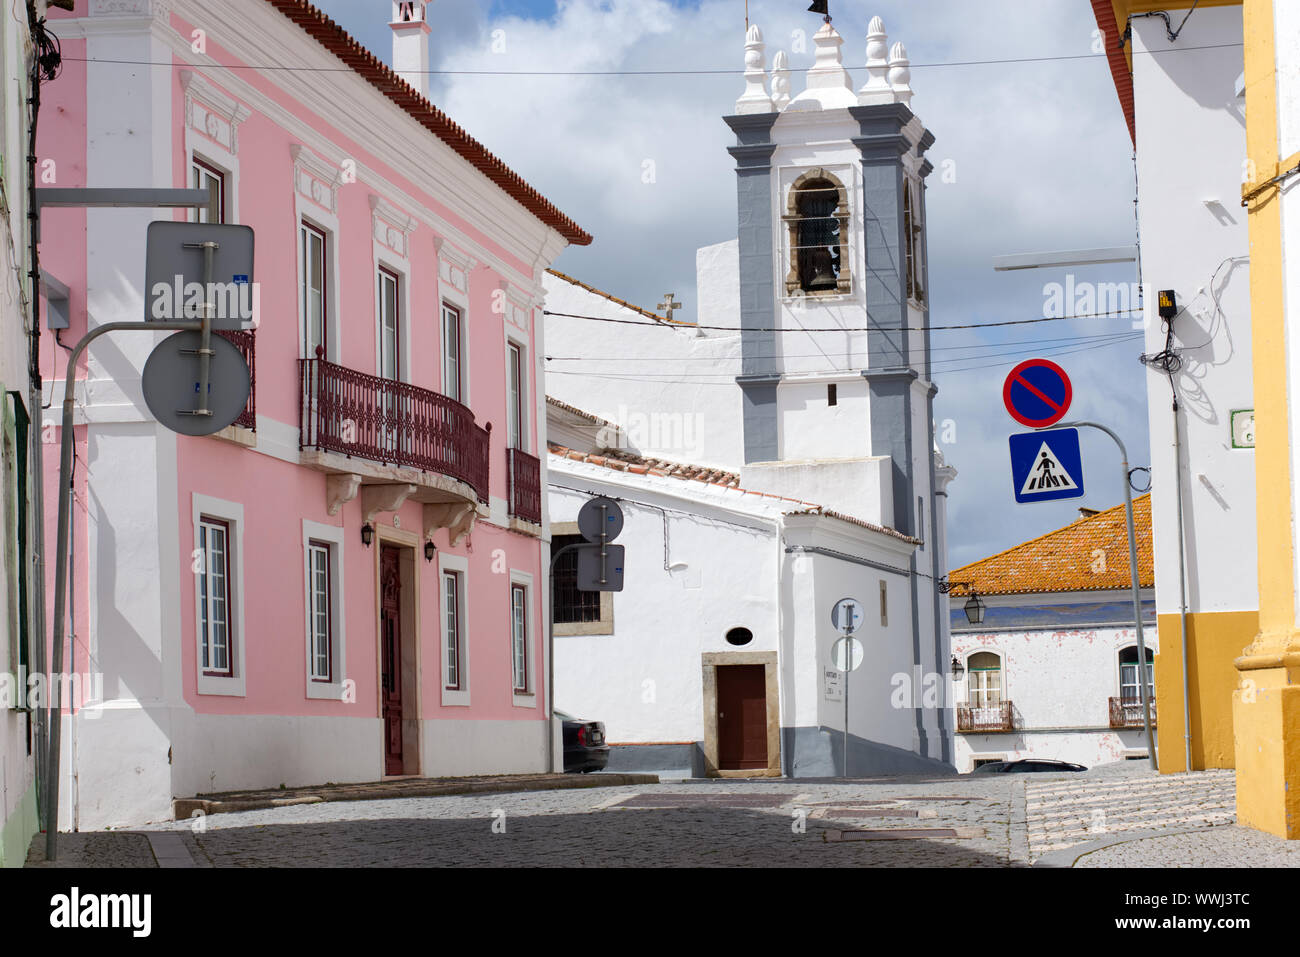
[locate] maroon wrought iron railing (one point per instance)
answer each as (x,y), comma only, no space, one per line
(997,717)
(390,422)
(1127,712)
(246,343)
(525,473)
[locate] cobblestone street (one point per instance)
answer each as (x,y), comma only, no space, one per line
(973,821)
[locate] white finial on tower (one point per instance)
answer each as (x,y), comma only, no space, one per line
(755,98)
(781,80)
(876,89)
(900,74)
(829,85)
(411,43)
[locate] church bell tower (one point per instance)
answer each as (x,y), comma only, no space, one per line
(833,280)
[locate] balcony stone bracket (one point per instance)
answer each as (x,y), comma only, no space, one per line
(458,519)
(383,498)
(341,489)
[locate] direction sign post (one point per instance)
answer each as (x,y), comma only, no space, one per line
(847,654)
(1143,687)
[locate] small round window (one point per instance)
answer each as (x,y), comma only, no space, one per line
(739,636)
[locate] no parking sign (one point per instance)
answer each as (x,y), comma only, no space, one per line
(1038,393)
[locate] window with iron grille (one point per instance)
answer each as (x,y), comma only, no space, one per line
(571,605)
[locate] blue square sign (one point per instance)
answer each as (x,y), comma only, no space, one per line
(1046,466)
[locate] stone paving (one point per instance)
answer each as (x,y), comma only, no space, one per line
(1062,813)
(955,821)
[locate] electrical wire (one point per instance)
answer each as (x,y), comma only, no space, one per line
(722,380)
(815,355)
(665,324)
(938,64)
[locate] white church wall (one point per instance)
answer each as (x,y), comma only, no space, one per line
(859,487)
(644,681)
(670,388)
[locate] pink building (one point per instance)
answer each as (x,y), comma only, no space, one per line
(350,583)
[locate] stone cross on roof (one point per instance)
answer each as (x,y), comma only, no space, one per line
(669,305)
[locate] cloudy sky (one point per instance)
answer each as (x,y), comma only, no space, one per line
(1037,155)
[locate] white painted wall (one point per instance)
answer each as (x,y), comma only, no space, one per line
(672,389)
(1191,146)
(645,681)
(1059,683)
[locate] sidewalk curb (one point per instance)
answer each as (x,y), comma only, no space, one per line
(1069,856)
(185,808)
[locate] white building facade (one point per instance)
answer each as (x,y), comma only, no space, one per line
(807,377)
(1052,671)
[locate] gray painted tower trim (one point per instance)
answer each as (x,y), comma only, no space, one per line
(759,377)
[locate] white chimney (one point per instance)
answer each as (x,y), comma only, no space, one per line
(411,43)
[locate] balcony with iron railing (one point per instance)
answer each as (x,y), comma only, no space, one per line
(246,343)
(524,472)
(387,431)
(985,718)
(1127,712)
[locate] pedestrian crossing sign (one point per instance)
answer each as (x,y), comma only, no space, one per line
(1046,466)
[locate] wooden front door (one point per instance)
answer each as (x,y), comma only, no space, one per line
(390,639)
(742,717)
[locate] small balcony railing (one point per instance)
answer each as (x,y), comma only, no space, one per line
(246,343)
(525,474)
(1127,712)
(997,717)
(391,422)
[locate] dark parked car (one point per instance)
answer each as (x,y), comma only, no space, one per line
(585,749)
(1025,765)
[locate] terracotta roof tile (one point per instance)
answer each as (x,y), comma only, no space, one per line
(1088,555)
(1120,70)
(621,461)
(617,301)
(340,43)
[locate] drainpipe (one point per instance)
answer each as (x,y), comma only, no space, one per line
(1182,589)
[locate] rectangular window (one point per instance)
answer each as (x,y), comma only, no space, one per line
(519,636)
(571,606)
(515,374)
(214,598)
(920,518)
(985,687)
(313,291)
(389,356)
(451,611)
(884,605)
(452,354)
(209,178)
(320,599)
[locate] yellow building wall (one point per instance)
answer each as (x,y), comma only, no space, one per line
(1214,641)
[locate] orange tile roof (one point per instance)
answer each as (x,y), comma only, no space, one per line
(342,44)
(1120,71)
(1068,559)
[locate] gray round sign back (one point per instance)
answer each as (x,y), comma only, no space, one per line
(171,384)
(593,520)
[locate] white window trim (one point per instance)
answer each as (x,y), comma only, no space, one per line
(525,375)
(1004,694)
(464,369)
(401,270)
(198,90)
(323,216)
(461,698)
(233,514)
(331,535)
(527,699)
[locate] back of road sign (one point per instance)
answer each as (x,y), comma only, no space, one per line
(171,384)
(174,273)
(1046,466)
